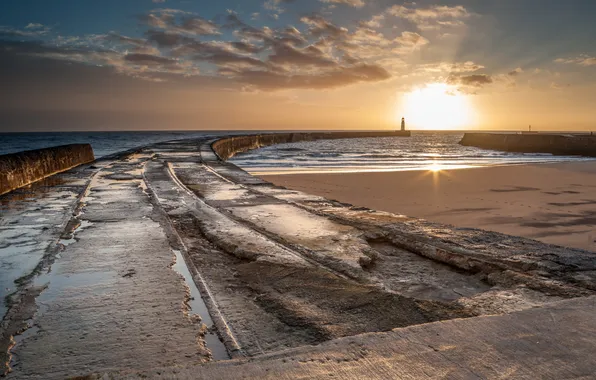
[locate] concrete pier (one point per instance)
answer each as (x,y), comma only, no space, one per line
(20,169)
(294,285)
(226,147)
(557,144)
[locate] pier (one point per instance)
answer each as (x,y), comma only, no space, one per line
(555,143)
(169,262)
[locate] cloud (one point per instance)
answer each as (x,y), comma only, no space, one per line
(285,54)
(319,26)
(31,30)
(182,22)
(433,17)
(33,25)
(148,59)
(317,54)
(167,39)
(474,80)
(351,3)
(411,40)
(339,77)
(275,8)
(374,22)
(246,47)
(582,60)
(515,72)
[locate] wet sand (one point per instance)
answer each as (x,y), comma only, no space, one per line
(554,203)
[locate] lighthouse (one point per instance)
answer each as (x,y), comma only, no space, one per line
(403,124)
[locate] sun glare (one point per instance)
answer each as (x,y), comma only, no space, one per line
(435,167)
(437,106)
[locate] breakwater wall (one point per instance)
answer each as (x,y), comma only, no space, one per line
(229,146)
(23,168)
(557,144)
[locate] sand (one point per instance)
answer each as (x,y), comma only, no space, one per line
(553,203)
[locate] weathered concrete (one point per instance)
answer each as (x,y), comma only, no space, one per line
(228,146)
(557,341)
(32,219)
(110,298)
(20,169)
(558,144)
(280,271)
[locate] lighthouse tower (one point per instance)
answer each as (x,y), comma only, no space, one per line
(403,124)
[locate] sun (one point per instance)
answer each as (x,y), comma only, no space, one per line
(437,106)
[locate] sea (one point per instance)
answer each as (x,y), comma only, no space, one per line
(103,143)
(424,150)
(421,151)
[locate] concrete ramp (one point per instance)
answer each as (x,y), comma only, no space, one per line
(554,342)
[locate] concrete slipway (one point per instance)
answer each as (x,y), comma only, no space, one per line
(168,262)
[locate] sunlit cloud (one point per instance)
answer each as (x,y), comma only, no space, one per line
(582,60)
(352,3)
(433,17)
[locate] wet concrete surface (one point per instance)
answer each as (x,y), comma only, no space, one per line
(173,258)
(31,219)
(111,298)
(198,308)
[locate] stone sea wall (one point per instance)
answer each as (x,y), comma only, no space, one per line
(23,168)
(557,144)
(229,146)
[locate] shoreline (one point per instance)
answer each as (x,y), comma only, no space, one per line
(258,173)
(551,202)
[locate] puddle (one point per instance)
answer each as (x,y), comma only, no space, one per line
(17,339)
(198,307)
(82,225)
(16,261)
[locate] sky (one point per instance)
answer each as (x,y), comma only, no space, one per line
(297,64)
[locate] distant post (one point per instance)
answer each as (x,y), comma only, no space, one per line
(403,124)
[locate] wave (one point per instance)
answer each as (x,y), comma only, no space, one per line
(417,152)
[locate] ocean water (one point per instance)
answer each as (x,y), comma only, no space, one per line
(422,151)
(103,143)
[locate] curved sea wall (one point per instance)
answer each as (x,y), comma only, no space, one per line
(557,144)
(23,168)
(229,146)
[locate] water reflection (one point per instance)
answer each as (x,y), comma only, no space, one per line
(423,151)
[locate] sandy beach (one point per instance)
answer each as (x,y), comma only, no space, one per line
(553,203)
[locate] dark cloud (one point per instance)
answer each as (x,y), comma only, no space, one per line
(264,58)
(469,84)
(475,80)
(148,59)
(167,39)
(319,26)
(115,37)
(180,22)
(228,58)
(286,54)
(268,80)
(199,26)
(246,47)
(291,35)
